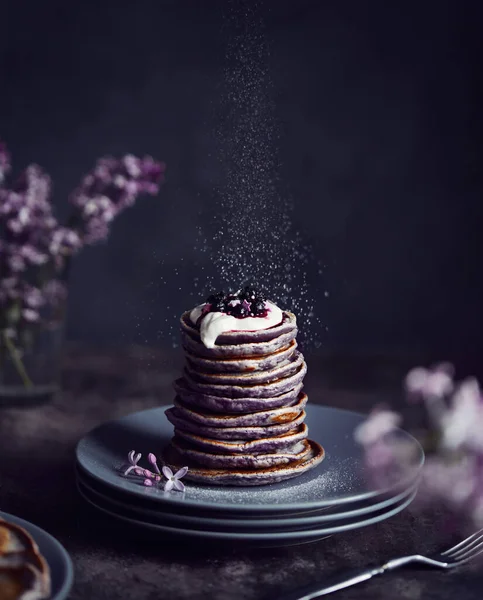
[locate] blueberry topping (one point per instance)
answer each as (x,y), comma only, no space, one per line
(248,302)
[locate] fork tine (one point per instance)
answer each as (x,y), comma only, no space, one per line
(462,544)
(470,551)
(458,553)
(471,555)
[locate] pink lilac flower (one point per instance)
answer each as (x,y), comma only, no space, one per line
(31,237)
(174,482)
(111,187)
(453,471)
(430,383)
(379,454)
(133,461)
(454,481)
(462,423)
(379,423)
(153,479)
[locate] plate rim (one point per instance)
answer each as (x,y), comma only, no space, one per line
(302,519)
(269,508)
(261,537)
(34,530)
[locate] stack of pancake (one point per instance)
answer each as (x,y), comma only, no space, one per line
(239,409)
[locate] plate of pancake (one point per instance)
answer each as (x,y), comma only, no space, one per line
(240,422)
(335,496)
(33,564)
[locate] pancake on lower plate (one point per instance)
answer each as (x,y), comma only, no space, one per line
(246,476)
(187,451)
(24,572)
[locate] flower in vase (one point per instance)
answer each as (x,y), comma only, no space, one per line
(111,187)
(35,249)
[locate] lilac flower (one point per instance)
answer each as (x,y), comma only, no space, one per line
(35,248)
(64,241)
(379,455)
(462,423)
(133,461)
(174,479)
(30,315)
(454,481)
(430,383)
(152,460)
(33,297)
(379,423)
(453,471)
(32,254)
(150,478)
(111,187)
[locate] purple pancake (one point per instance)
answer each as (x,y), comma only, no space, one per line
(245,344)
(258,446)
(263,390)
(237,338)
(240,365)
(264,417)
(231,433)
(245,477)
(193,455)
(229,405)
(286,368)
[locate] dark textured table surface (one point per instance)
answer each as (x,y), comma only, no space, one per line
(37,483)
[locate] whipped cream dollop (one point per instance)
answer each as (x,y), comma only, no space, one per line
(214,324)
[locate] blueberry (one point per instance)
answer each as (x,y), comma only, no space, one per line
(247,293)
(218,307)
(239,311)
(215,298)
(217,302)
(258,308)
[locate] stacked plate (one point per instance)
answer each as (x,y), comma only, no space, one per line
(334,497)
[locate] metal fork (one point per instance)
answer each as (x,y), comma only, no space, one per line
(456,556)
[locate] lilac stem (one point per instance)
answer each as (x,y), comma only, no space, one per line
(17,361)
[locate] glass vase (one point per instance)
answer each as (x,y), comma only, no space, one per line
(30,363)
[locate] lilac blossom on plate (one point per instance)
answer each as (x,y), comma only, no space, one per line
(173,479)
(153,478)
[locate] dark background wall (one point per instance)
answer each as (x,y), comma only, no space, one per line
(378,106)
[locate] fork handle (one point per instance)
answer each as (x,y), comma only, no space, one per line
(338,582)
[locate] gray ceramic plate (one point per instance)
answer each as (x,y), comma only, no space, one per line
(152,514)
(274,538)
(61,570)
(340,478)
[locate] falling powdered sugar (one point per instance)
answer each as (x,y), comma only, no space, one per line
(251,232)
